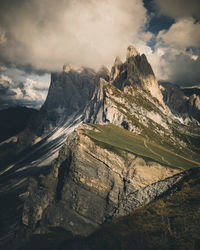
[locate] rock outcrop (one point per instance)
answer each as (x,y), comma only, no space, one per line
(135,72)
(74,89)
(194,106)
(89,184)
(182,101)
(131,51)
(69,92)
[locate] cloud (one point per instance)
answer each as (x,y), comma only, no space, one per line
(175,66)
(5,90)
(46,34)
(26,91)
(177,52)
(183,69)
(179,8)
(182,34)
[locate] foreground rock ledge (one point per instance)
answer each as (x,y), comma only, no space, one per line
(89,184)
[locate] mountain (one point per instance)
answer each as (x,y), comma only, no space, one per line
(183,101)
(103,145)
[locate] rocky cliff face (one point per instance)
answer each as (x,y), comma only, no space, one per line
(194,106)
(69,90)
(183,101)
(69,93)
(78,90)
(90,184)
(135,72)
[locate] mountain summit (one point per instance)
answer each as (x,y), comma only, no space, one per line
(131,51)
(75,89)
(135,72)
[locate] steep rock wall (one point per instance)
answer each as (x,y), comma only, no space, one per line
(89,184)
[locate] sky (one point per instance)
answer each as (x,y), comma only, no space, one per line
(39,37)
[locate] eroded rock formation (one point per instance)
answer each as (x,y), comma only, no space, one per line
(89,184)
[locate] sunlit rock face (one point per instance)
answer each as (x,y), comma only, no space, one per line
(89,184)
(131,51)
(74,89)
(71,89)
(135,72)
(116,68)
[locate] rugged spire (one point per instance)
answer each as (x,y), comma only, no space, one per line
(131,51)
(136,71)
(116,68)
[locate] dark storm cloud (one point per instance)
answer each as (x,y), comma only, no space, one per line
(29,69)
(26,69)
(179,44)
(182,69)
(6,92)
(46,34)
(40,36)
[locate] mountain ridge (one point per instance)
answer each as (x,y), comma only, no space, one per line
(100,136)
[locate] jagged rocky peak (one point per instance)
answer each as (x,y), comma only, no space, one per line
(195,101)
(131,51)
(67,67)
(138,67)
(69,91)
(116,68)
(135,72)
(194,106)
(72,89)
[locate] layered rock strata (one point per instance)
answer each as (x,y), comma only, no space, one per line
(89,184)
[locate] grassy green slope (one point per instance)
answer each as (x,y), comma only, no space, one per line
(113,137)
(175,138)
